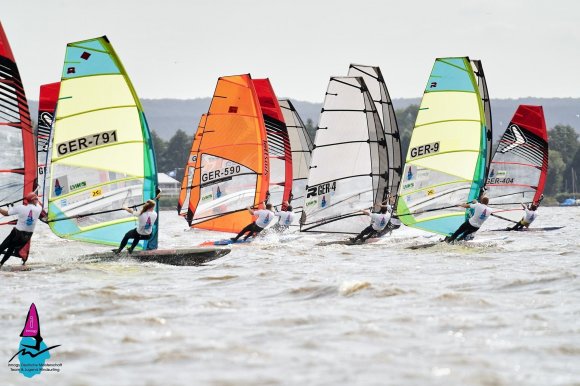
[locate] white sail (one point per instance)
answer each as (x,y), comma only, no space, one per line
(348,171)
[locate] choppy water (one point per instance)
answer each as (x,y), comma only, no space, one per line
(503,312)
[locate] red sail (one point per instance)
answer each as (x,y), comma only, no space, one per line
(517,173)
(278,143)
(531,118)
(46,107)
(18,164)
(18,161)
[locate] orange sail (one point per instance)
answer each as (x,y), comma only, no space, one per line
(231,160)
(184,208)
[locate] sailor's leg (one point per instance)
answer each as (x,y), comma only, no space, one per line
(371,233)
(8,245)
(248,228)
(470,229)
(136,240)
(364,232)
(128,235)
(8,240)
(458,232)
(255,230)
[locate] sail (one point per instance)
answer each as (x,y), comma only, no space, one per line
(278,143)
(102,155)
(483,92)
(518,170)
(18,161)
(232,163)
(46,108)
(445,163)
(348,172)
(378,89)
(301,146)
(184,205)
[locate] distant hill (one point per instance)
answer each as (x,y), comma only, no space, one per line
(166,116)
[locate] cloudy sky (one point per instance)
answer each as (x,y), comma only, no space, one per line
(178,48)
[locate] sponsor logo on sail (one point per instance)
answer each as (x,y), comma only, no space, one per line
(519,137)
(57,188)
(78,185)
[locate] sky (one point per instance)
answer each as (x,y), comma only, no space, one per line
(178,48)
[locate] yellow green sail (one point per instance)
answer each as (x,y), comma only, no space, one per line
(445,163)
(102,156)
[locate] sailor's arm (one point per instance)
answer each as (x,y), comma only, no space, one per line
(129,210)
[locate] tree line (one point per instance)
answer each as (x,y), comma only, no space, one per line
(563,164)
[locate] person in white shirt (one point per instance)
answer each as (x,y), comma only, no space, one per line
(379,222)
(28,214)
(145,220)
(480,214)
(529,216)
(394,222)
(285,218)
(265,216)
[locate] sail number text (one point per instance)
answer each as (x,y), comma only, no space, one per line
(422,150)
(321,189)
(87,142)
(217,174)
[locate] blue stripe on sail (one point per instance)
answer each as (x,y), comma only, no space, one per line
(450,75)
(110,234)
(83,62)
(443,225)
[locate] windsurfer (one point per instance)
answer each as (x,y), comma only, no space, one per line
(28,214)
(285,218)
(146,218)
(471,225)
(265,216)
(529,215)
(379,222)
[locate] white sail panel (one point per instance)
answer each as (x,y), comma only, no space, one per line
(349,160)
